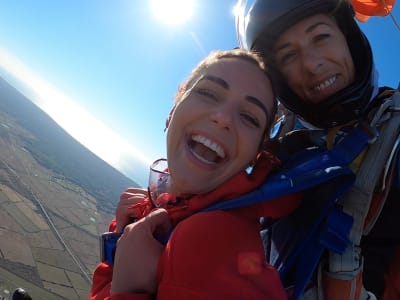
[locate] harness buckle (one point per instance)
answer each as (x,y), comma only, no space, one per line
(381,115)
(370,131)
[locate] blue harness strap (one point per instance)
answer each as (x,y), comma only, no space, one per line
(308,169)
(297,248)
(296,245)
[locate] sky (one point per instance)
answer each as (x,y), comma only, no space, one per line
(107,71)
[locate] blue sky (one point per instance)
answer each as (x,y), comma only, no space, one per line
(107,71)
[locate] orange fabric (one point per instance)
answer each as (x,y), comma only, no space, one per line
(339,289)
(361,17)
(368,8)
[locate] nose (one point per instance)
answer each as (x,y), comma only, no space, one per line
(311,62)
(222,117)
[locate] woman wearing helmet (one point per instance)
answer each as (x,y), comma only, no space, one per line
(322,67)
(268,20)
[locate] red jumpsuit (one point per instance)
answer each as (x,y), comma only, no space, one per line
(218,254)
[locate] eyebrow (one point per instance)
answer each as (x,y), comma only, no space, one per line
(308,30)
(313,26)
(217,80)
(226,86)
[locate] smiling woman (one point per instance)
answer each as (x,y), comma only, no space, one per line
(172,12)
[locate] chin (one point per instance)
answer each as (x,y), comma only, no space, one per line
(202,190)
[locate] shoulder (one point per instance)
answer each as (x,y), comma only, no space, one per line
(217,255)
(216,228)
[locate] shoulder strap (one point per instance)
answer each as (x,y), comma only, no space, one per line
(357,200)
(308,170)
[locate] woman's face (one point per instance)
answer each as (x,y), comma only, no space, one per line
(314,58)
(215,131)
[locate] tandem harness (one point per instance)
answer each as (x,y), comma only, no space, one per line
(375,177)
(295,245)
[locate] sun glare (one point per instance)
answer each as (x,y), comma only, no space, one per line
(81,125)
(173,12)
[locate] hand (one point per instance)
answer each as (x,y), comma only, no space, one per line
(138,254)
(124,212)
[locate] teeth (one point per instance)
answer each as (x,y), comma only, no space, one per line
(325,84)
(209,144)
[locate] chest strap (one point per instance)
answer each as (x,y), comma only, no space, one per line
(356,202)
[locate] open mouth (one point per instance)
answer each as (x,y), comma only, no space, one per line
(327,83)
(206,150)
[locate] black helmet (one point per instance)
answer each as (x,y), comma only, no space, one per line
(260,24)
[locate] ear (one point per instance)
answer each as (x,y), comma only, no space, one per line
(169,118)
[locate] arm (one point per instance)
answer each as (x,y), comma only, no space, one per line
(133,276)
(137,273)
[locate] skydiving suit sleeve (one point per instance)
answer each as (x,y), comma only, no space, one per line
(217,255)
(102,278)
(210,255)
(101,286)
